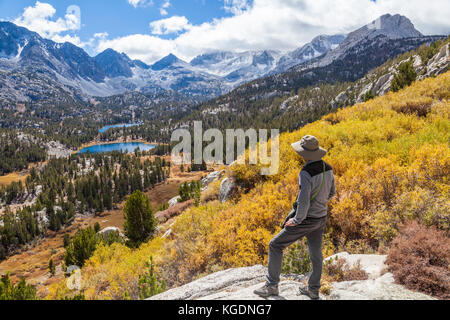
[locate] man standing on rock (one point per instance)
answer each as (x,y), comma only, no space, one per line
(307,218)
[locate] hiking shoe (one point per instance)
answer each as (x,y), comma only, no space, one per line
(267,291)
(313,295)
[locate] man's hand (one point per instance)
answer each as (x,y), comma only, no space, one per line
(290,223)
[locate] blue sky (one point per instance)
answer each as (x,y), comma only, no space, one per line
(118,17)
(151,29)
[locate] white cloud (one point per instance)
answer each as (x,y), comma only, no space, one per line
(281,24)
(236,6)
(140,3)
(68,38)
(101,35)
(38,18)
(170,25)
(139,46)
(164,6)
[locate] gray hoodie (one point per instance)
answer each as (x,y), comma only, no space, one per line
(309,182)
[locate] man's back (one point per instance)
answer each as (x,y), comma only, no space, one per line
(314,183)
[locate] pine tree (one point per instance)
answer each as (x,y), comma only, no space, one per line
(81,247)
(21,291)
(140,222)
(149,284)
(66,240)
(51,267)
(405,77)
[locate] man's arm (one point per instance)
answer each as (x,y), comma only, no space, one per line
(303,201)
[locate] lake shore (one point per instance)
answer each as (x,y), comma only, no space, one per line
(96,142)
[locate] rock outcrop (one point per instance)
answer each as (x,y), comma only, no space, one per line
(174,201)
(57,150)
(438,64)
(214,176)
(381,85)
(372,264)
(106,232)
(382,288)
(227,187)
(239,283)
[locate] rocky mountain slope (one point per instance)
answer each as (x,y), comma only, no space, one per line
(320,45)
(239,284)
(378,82)
(392,27)
(363,50)
(111,73)
(64,71)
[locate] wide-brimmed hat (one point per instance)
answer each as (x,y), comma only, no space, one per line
(309,148)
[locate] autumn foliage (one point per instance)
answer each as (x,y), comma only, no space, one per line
(392,164)
(391,159)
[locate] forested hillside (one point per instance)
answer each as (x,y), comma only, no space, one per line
(82,184)
(16,154)
(391,158)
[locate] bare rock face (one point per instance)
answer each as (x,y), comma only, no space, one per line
(174,201)
(109,230)
(227,188)
(239,284)
(361,95)
(390,26)
(212,284)
(214,176)
(167,234)
(383,84)
(382,288)
(438,64)
(341,97)
(373,264)
(57,150)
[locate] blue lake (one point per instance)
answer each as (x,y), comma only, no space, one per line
(106,128)
(127,147)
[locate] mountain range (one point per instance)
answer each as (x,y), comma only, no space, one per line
(33,68)
(110,73)
(361,51)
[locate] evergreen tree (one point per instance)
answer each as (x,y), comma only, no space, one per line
(66,240)
(20,291)
(149,284)
(51,267)
(81,247)
(140,222)
(405,76)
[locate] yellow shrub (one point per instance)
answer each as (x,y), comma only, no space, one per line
(112,272)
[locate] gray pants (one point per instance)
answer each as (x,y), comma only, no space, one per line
(310,228)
